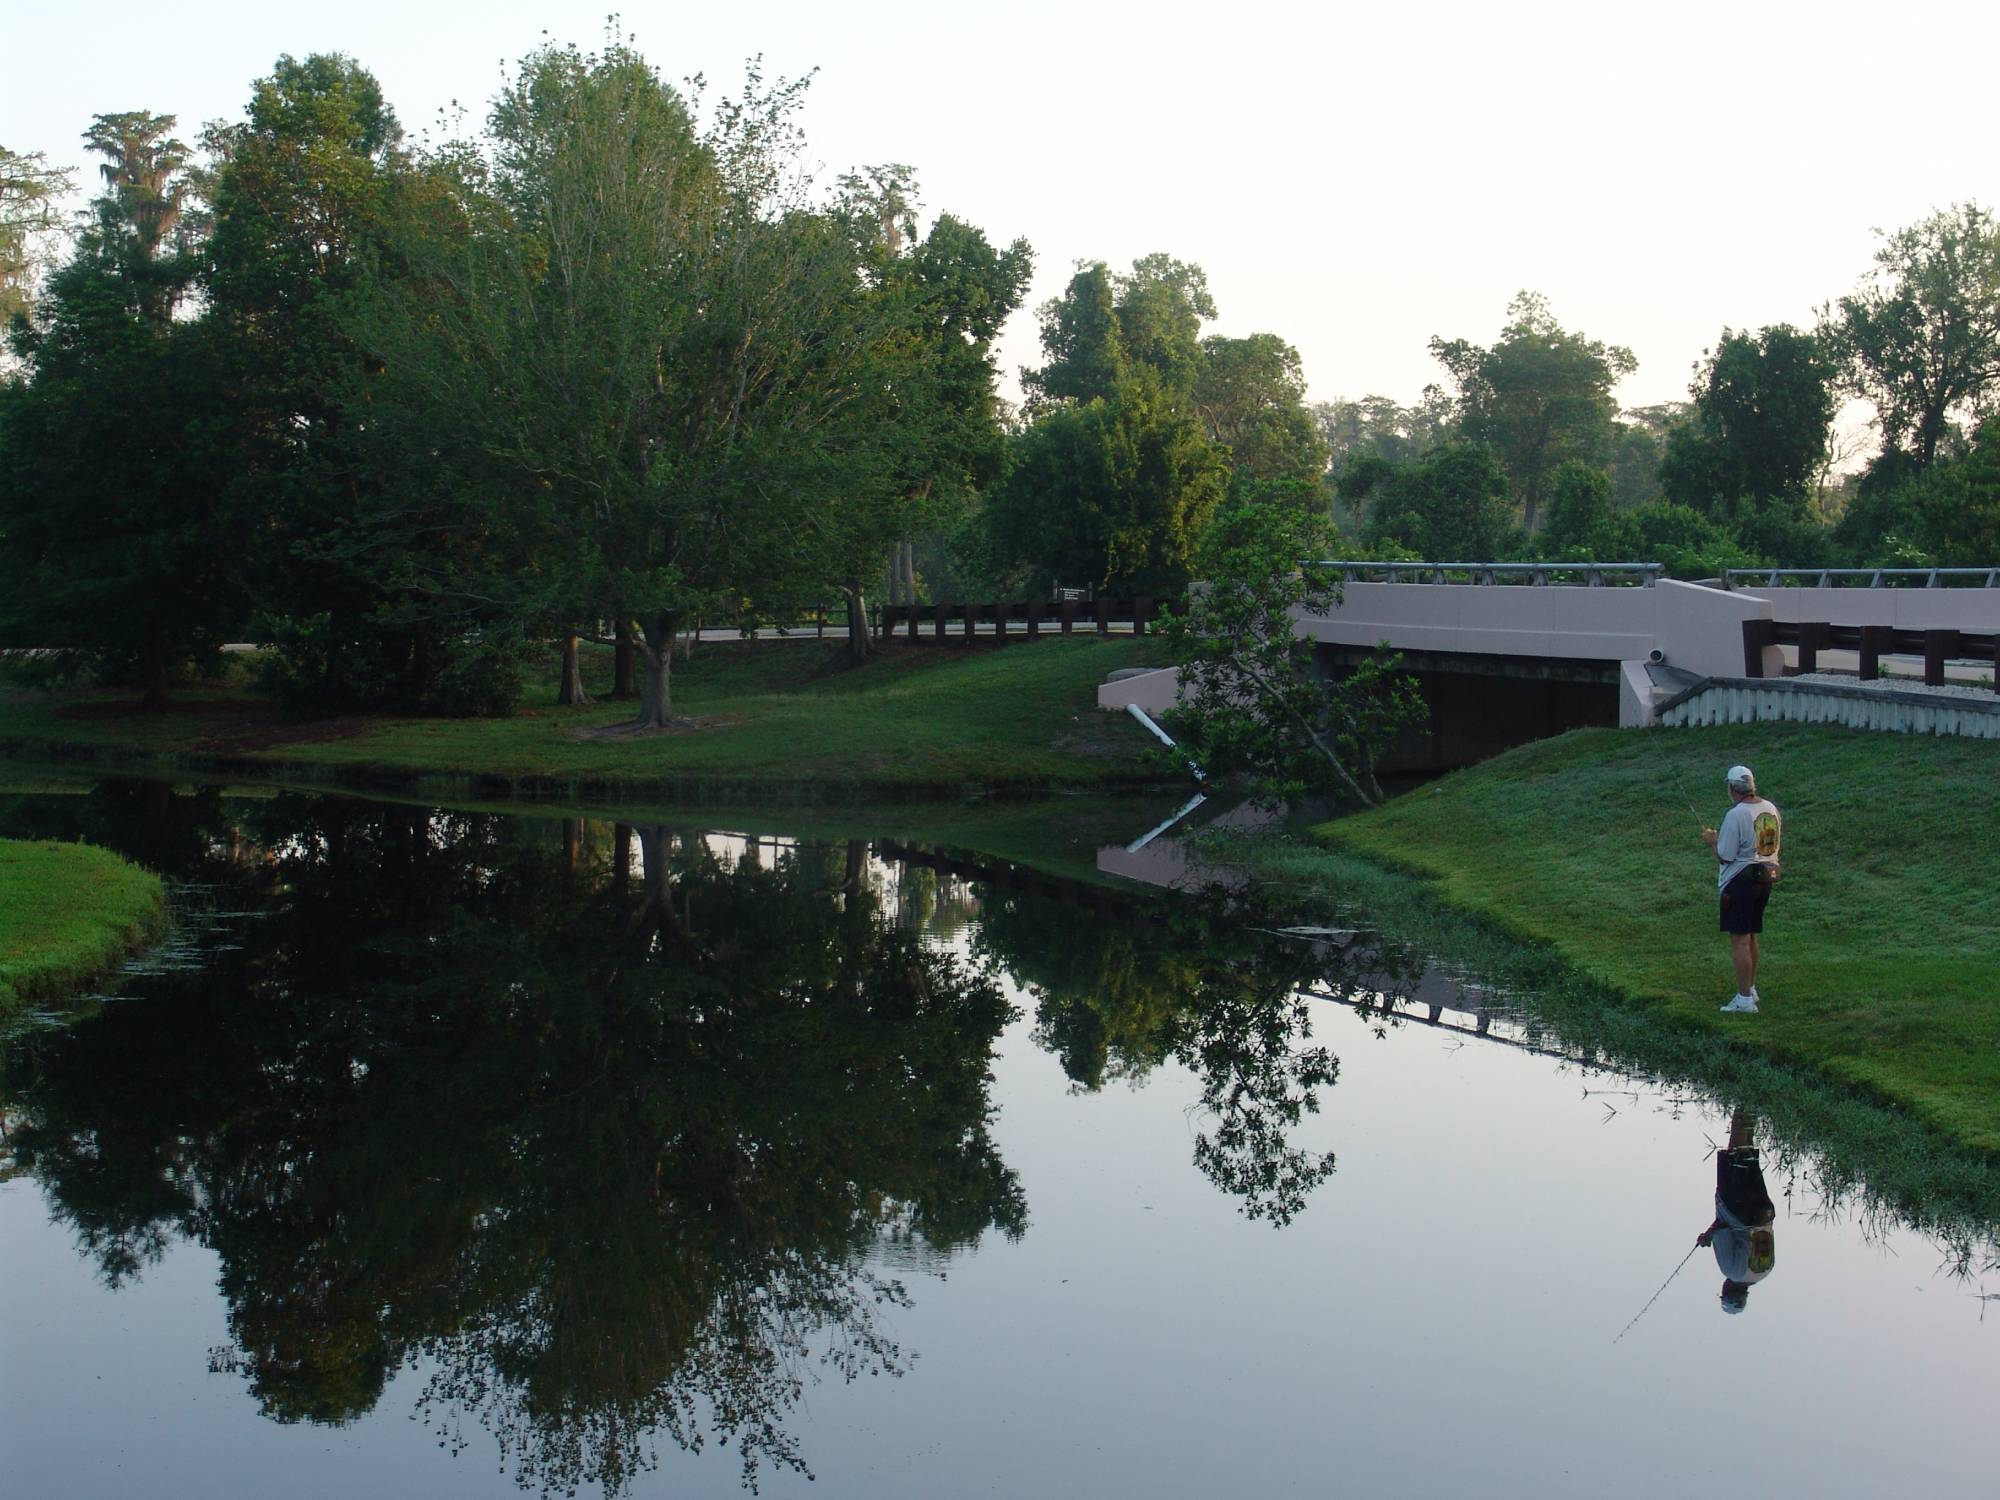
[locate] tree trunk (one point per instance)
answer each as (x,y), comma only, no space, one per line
(153,672)
(572,690)
(906,561)
(656,653)
(621,856)
(859,646)
(624,664)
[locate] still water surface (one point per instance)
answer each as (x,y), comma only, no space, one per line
(473,1154)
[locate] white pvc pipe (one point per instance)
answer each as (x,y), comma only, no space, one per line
(1162,736)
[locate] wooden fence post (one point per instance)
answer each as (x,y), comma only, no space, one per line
(1068,616)
(1142,611)
(1812,638)
(1757,634)
(940,612)
(1102,611)
(1000,624)
(1875,639)
(1034,617)
(1938,645)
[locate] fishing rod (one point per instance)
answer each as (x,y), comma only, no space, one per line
(1656,1296)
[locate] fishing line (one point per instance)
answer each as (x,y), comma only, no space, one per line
(1656,1296)
(1679,780)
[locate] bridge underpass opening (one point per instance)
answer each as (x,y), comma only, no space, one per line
(1481,705)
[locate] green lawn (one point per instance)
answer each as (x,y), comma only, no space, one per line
(1882,943)
(777,717)
(69,912)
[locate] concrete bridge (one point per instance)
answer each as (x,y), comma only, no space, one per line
(1510,653)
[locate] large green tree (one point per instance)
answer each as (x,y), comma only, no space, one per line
(308,185)
(645,349)
(1921,336)
(1537,397)
(1127,455)
(1763,404)
(1109,493)
(117,445)
(944,299)
(1250,395)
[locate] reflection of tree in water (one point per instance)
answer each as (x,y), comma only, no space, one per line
(1202,987)
(609,1139)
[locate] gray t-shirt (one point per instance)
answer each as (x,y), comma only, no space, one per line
(1743,1252)
(1750,834)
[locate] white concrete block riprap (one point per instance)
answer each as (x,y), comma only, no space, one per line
(1890,708)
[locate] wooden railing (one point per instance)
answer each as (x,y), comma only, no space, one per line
(1023,620)
(1872,642)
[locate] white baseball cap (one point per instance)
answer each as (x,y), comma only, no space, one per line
(1742,779)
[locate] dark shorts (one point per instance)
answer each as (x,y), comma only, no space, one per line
(1743,902)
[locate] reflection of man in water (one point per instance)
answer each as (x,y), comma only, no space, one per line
(1741,1234)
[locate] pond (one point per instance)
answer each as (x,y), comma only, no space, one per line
(474,1153)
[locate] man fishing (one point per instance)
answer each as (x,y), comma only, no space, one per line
(1747,850)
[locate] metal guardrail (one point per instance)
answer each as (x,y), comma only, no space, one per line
(1863,578)
(1526,575)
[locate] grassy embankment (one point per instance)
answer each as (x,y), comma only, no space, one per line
(773,720)
(68,913)
(1579,864)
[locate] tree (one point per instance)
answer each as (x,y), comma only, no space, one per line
(1249,697)
(1959,503)
(646,350)
(1642,435)
(1763,408)
(1580,508)
(29,191)
(117,451)
(1105,327)
(1921,336)
(344,541)
(1539,396)
(1377,425)
(147,190)
(944,299)
(1111,493)
(1250,396)
(1450,505)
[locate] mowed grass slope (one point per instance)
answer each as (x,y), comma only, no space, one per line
(68,913)
(1882,943)
(761,716)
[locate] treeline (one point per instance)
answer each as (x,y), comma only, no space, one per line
(1523,453)
(616,365)
(610,368)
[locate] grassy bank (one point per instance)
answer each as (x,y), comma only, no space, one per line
(1882,943)
(771,720)
(68,913)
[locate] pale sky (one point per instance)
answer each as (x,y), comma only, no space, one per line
(1353,179)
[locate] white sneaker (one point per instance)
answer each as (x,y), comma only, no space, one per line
(1742,1005)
